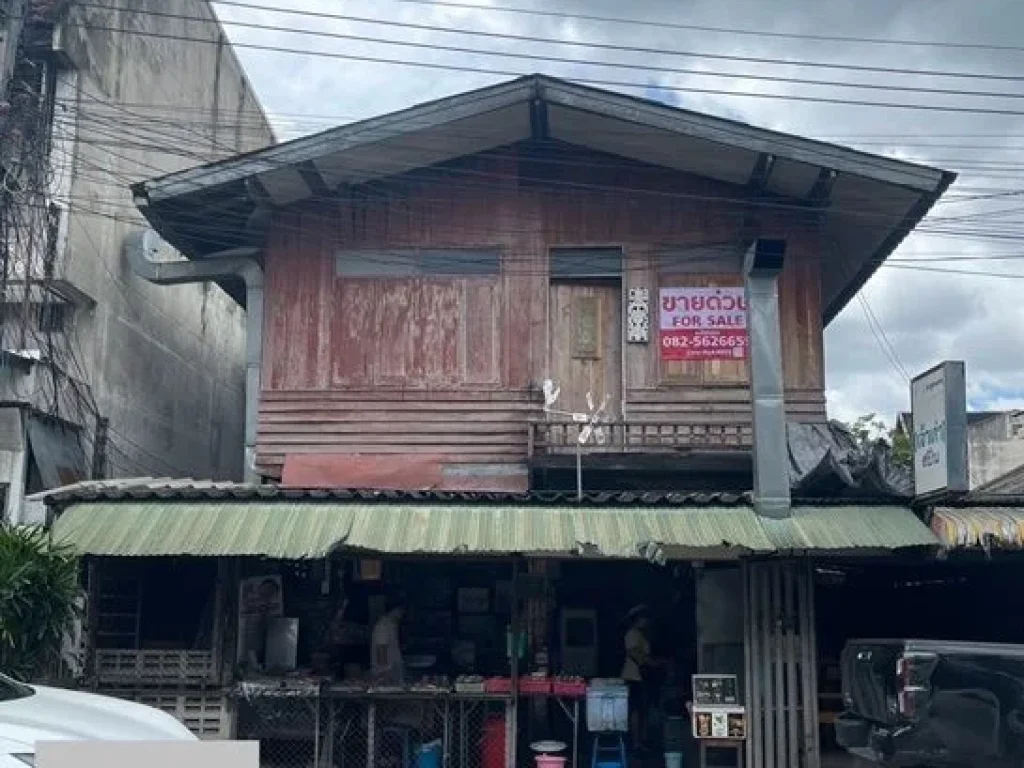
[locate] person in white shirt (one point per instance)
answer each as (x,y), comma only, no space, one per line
(385,648)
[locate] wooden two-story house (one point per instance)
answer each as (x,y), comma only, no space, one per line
(451,294)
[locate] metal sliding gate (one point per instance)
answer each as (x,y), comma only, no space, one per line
(781,666)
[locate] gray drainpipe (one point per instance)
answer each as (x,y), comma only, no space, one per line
(142,250)
(761,268)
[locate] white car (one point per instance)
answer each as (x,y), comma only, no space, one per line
(31,713)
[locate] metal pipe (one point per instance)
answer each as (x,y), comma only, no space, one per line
(761,268)
(143,250)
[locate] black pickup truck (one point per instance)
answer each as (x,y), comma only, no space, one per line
(933,703)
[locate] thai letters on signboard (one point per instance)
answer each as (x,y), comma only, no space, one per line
(703,324)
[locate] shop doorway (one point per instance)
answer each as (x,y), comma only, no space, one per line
(593,606)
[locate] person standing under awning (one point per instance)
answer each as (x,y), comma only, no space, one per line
(636,669)
(386,648)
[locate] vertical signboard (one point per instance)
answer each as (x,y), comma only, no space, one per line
(703,324)
(939,406)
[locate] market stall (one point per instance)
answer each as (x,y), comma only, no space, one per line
(316,684)
(501,661)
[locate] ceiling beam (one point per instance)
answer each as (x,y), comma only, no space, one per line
(759,176)
(821,192)
(539,129)
(311,175)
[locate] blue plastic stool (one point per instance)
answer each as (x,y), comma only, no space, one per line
(611,755)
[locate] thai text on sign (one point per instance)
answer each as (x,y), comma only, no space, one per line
(703,324)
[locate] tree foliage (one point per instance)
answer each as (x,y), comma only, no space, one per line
(38,600)
(869,429)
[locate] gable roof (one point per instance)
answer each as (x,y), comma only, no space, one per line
(905,419)
(869,202)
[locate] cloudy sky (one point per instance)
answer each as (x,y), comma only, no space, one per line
(923,316)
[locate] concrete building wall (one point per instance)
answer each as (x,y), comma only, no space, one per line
(995,447)
(142,92)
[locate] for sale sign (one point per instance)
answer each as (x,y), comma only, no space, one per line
(703,324)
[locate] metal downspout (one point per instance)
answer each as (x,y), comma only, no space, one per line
(142,250)
(761,268)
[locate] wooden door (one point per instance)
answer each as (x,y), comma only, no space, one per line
(585,349)
(781,665)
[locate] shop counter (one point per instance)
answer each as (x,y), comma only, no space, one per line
(372,727)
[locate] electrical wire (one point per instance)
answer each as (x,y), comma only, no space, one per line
(664,24)
(477,70)
(880,336)
(592,44)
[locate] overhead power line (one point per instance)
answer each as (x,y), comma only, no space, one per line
(662,24)
(950,108)
(883,341)
(943,270)
(115,129)
(200,116)
(576,43)
(889,87)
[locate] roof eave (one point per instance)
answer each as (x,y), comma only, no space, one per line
(429,115)
(636,110)
(729,132)
(914,217)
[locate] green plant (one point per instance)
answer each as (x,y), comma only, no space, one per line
(38,600)
(868,430)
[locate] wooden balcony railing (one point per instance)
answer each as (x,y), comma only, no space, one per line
(551,438)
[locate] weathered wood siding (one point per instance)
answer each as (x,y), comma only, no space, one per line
(449,365)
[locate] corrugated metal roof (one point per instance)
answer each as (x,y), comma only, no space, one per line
(290,531)
(982,527)
(298,530)
(615,532)
(305,529)
(852,527)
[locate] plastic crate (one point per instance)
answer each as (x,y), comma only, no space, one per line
(535,686)
(607,707)
(470,687)
(498,685)
(569,689)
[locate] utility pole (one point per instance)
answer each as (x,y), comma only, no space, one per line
(12,19)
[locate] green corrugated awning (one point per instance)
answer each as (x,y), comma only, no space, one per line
(850,528)
(289,531)
(303,530)
(623,532)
